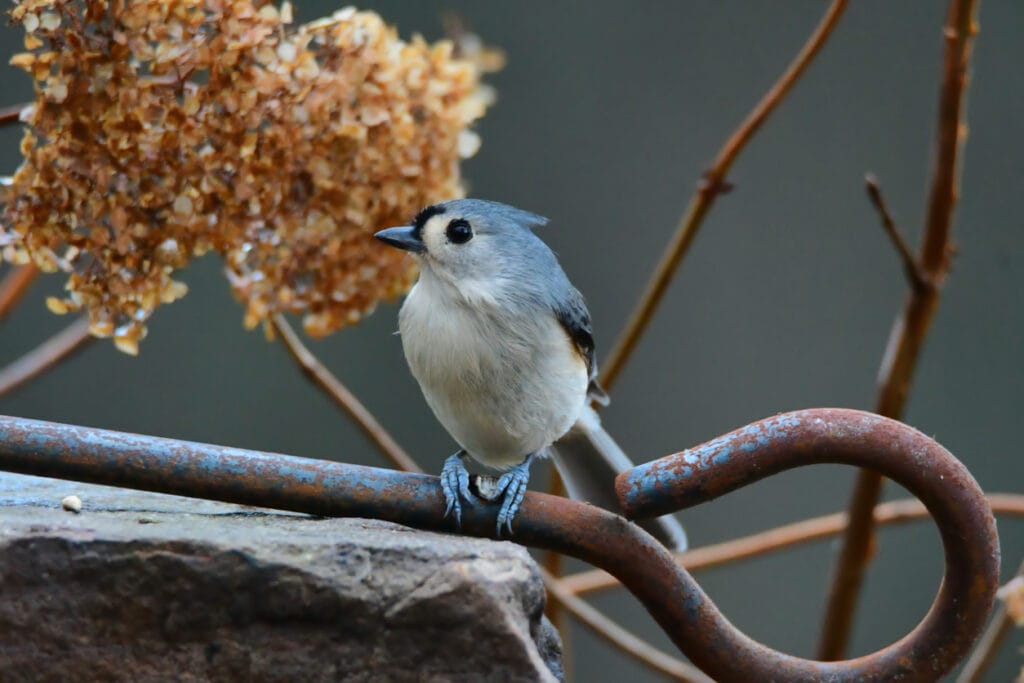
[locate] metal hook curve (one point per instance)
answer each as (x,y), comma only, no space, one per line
(849,437)
(594,535)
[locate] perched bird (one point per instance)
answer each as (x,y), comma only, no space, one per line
(502,347)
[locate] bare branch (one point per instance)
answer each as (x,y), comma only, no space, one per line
(910,268)
(989,643)
(909,330)
(318,373)
(48,354)
(12,114)
(713,184)
(14,286)
(780,538)
(553,564)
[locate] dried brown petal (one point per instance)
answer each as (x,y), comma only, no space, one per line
(58,306)
(1012,594)
(23,60)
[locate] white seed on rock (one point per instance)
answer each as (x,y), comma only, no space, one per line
(72,504)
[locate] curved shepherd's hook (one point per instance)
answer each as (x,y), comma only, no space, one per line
(594,535)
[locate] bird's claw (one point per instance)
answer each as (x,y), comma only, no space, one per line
(513,484)
(455,484)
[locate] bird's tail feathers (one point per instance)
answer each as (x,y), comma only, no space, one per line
(589,460)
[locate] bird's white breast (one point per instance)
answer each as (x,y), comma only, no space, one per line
(504,384)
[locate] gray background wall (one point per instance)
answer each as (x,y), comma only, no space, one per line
(608,113)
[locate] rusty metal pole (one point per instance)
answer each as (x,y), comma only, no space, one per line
(594,535)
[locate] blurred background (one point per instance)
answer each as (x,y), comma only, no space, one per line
(608,113)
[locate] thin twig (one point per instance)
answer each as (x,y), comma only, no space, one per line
(909,330)
(910,268)
(40,359)
(787,536)
(14,286)
(318,373)
(989,643)
(713,184)
(635,647)
(11,114)
(553,563)
(553,560)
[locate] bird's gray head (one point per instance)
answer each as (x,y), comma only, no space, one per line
(472,240)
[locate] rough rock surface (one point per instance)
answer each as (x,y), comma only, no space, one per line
(147,587)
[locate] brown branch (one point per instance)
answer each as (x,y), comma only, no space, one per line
(910,268)
(713,184)
(553,560)
(909,330)
(553,564)
(12,114)
(633,646)
(40,359)
(318,373)
(14,286)
(787,536)
(989,643)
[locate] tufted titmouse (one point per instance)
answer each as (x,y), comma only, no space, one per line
(501,345)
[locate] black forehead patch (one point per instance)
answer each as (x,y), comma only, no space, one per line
(425,215)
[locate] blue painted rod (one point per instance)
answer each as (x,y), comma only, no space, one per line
(596,536)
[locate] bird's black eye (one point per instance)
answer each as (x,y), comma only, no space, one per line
(459,231)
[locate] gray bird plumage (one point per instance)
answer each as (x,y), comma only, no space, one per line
(502,347)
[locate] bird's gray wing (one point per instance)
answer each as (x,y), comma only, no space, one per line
(574,317)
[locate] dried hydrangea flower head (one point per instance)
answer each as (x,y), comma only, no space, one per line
(163,129)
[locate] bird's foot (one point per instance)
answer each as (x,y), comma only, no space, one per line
(513,484)
(455,485)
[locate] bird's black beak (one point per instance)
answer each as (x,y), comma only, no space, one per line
(404,237)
